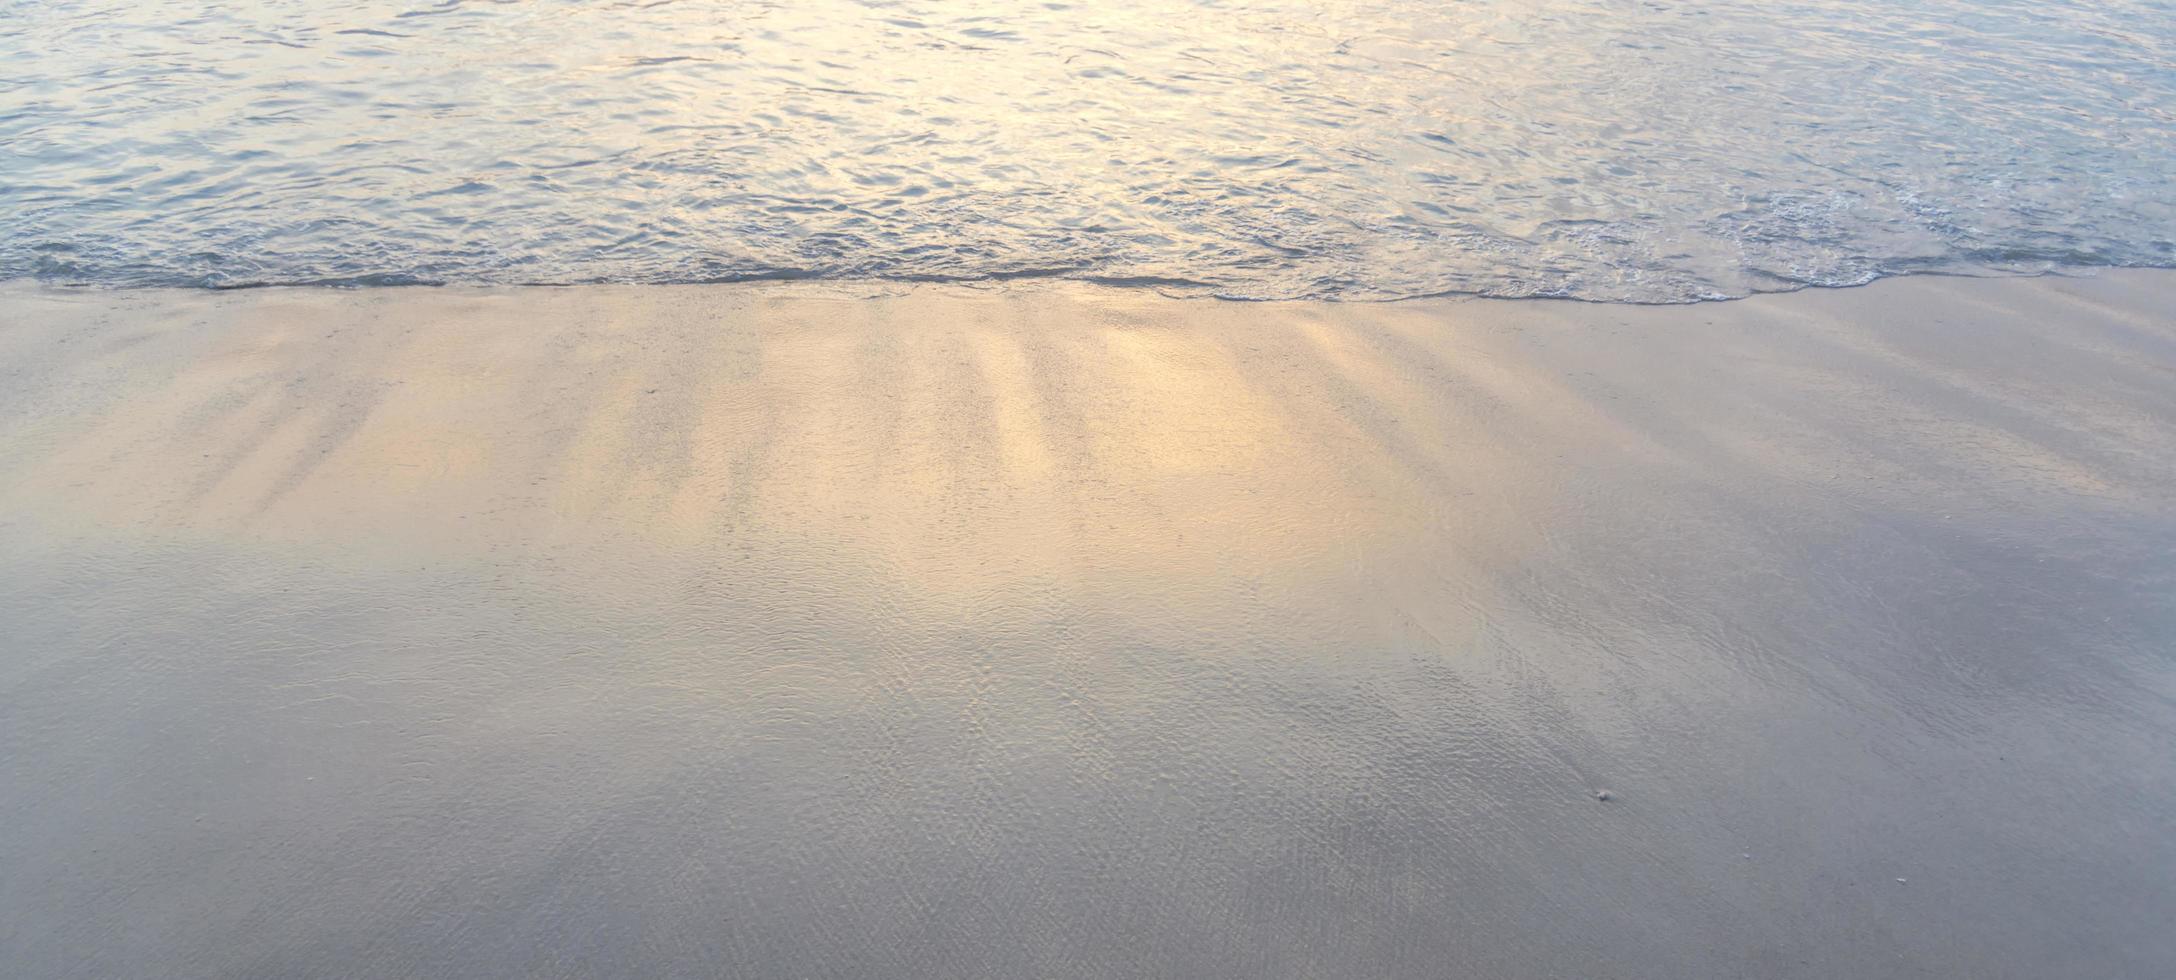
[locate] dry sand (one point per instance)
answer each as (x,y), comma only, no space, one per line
(1064,632)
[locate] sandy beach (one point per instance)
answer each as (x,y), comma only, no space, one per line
(830,630)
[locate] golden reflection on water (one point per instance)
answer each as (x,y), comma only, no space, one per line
(1254,148)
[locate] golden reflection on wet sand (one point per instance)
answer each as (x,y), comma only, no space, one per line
(774,630)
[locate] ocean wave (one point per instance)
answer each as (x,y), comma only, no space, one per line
(1268,149)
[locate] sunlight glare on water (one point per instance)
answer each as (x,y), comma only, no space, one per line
(1656,151)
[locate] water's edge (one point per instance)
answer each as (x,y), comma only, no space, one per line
(1162,289)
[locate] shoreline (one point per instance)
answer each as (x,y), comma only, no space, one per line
(1032,281)
(1065,630)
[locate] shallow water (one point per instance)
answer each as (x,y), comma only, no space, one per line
(1633,151)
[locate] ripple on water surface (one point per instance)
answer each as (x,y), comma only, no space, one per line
(1262,148)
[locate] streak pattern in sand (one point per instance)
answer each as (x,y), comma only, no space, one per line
(784,631)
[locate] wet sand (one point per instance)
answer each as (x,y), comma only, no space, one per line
(1056,631)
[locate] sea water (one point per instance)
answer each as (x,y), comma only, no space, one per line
(1381,149)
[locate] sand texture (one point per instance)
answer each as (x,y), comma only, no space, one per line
(815,631)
